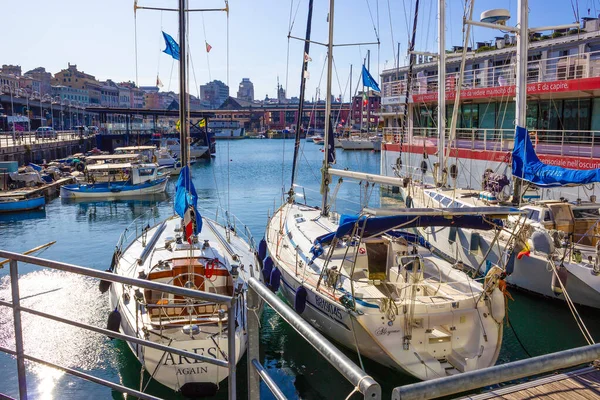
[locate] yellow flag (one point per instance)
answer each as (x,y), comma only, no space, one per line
(178,125)
(202,123)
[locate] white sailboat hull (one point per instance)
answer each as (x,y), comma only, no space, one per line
(465,347)
(113,191)
(356,144)
(160,325)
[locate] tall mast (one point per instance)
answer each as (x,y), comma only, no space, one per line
(521,82)
(302,90)
(522,47)
(325,176)
(183,105)
(441,112)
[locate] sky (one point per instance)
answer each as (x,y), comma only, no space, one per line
(100,37)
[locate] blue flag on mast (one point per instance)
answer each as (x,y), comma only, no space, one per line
(368,80)
(330,144)
(172,46)
(186,198)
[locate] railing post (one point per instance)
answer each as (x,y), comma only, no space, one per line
(253,343)
(14,284)
(231,322)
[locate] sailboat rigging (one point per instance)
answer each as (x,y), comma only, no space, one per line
(192,251)
(377,289)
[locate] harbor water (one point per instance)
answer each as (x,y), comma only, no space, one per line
(248,178)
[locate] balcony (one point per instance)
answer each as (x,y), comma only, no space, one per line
(565,143)
(502,77)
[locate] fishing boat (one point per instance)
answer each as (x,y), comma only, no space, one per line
(163,158)
(16,204)
(192,251)
(377,289)
(173,146)
(114,180)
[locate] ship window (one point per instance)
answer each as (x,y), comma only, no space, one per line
(445,201)
(146,171)
(547,216)
(533,215)
(437,197)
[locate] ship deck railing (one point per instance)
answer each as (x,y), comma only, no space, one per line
(564,142)
(563,68)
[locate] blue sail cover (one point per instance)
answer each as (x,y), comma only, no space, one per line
(186,195)
(527,166)
(378,225)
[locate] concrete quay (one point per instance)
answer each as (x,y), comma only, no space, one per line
(24,147)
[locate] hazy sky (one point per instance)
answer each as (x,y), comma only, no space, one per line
(98,36)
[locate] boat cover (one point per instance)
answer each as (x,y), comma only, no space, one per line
(527,166)
(377,225)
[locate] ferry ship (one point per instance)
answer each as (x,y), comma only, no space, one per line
(227,129)
(563,107)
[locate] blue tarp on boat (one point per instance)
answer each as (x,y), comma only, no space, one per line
(378,225)
(527,166)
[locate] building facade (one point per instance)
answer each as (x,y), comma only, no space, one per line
(246,90)
(214,94)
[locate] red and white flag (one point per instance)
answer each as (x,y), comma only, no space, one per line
(158,82)
(189,223)
(307,57)
(208,47)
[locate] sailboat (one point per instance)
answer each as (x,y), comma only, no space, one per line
(377,289)
(186,250)
(552,248)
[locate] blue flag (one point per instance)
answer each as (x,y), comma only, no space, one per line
(172,46)
(368,80)
(186,196)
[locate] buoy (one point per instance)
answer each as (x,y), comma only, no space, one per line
(300,300)
(562,274)
(105,285)
(498,309)
(262,249)
(114,321)
(275,280)
(267,268)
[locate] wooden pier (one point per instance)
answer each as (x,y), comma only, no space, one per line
(581,384)
(48,190)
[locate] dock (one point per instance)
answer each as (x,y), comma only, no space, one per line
(48,190)
(581,384)
(24,147)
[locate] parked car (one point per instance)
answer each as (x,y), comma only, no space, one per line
(44,132)
(93,129)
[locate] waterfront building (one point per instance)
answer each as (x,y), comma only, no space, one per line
(214,93)
(73,78)
(71,94)
(42,78)
(365,110)
(109,94)
(563,102)
(14,70)
(265,116)
(246,90)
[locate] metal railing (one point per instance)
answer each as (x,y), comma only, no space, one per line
(585,65)
(550,142)
(362,382)
(21,356)
(472,380)
(22,138)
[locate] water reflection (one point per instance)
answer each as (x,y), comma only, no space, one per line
(68,296)
(21,216)
(94,211)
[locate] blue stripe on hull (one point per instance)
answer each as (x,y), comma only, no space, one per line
(22,205)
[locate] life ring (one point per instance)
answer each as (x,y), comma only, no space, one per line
(80,167)
(210,268)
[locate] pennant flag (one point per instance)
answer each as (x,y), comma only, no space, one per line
(307,57)
(186,198)
(368,80)
(208,47)
(172,46)
(158,82)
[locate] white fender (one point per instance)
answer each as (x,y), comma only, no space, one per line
(498,307)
